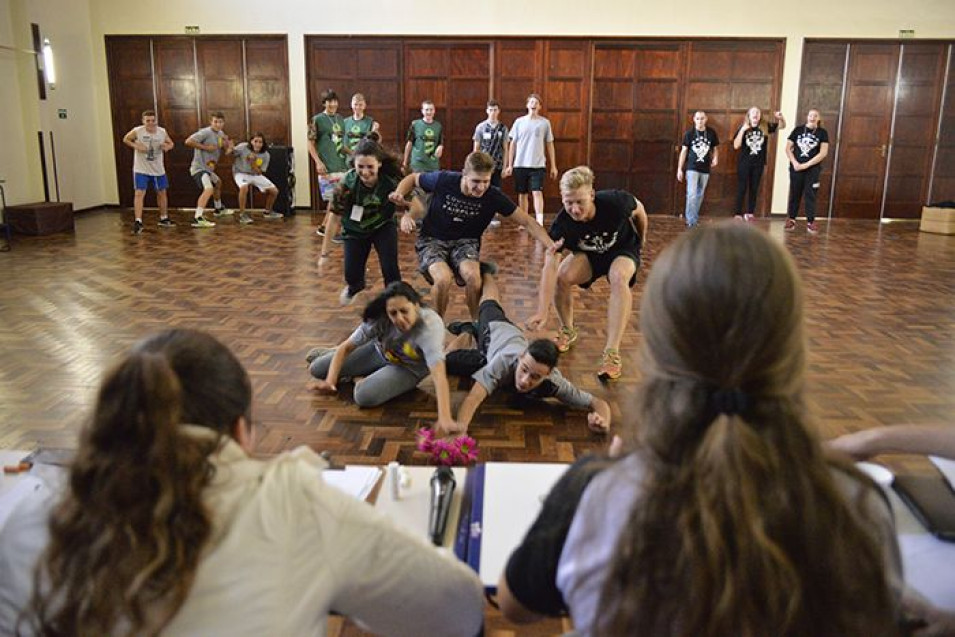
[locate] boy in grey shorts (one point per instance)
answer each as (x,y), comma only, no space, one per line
(505,360)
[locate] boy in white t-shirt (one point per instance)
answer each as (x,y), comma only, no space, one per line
(149,142)
(530,136)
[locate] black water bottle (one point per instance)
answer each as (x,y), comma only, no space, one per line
(442,490)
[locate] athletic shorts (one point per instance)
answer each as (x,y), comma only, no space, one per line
(452,252)
(197,177)
(529,179)
(142,181)
(261,182)
(600,264)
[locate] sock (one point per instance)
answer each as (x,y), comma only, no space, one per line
(198,212)
(218,204)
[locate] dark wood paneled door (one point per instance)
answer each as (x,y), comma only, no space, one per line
(943,173)
(131,92)
(566,94)
(920,83)
(865,133)
(221,72)
(177,92)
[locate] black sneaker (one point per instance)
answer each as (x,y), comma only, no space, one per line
(463,327)
(137,227)
(321,231)
(166,222)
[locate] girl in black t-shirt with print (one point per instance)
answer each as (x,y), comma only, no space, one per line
(806,147)
(752,140)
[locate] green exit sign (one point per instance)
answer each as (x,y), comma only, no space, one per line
(61,113)
(192,30)
(905,34)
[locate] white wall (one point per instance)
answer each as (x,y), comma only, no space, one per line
(743,18)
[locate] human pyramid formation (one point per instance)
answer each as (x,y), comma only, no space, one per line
(366,188)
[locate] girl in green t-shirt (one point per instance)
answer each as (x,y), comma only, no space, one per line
(367,215)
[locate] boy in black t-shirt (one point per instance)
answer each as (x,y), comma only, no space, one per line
(605,232)
(461,207)
(806,147)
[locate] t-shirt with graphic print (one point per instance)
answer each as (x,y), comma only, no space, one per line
(610,229)
(491,141)
(419,349)
(753,151)
(328,133)
(425,139)
(204,161)
(355,129)
(363,210)
(700,145)
(248,161)
(453,215)
(508,344)
(150,162)
(808,142)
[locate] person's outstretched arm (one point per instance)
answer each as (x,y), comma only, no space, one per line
(936,440)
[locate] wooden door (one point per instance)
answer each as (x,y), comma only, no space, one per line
(724,79)
(635,119)
(866,125)
(518,72)
(178,97)
(943,173)
(267,104)
(221,73)
(566,95)
(131,92)
(920,83)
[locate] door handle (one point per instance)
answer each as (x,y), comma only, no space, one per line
(882,151)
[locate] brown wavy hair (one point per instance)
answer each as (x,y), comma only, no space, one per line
(127,538)
(740,528)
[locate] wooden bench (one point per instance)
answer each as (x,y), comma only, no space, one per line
(40,218)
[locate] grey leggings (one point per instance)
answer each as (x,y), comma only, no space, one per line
(382,380)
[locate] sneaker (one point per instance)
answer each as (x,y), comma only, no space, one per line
(137,227)
(245,218)
(337,238)
(748,217)
(321,231)
(790,225)
(346,297)
(495,223)
(317,352)
(223,212)
(166,222)
(611,366)
(271,214)
(811,227)
(738,217)
(488,267)
(540,218)
(202,222)
(566,338)
(461,327)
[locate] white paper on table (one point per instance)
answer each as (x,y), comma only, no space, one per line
(513,497)
(947,467)
(356,480)
(24,488)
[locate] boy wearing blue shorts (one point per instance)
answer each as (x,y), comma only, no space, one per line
(149,142)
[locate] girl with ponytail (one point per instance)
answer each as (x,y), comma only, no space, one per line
(725,518)
(167,526)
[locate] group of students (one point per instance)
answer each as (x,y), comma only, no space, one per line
(150,142)
(721,514)
(806,148)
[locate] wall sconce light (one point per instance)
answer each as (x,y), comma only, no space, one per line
(49,70)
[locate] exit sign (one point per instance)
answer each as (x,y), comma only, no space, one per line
(192,30)
(906,33)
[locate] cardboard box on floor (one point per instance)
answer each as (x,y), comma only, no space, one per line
(938,220)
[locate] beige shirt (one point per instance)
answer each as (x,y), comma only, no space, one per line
(287,549)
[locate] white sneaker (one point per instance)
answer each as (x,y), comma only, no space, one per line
(748,217)
(540,218)
(495,223)
(345,298)
(223,212)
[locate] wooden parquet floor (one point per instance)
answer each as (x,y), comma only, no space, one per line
(881,312)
